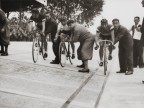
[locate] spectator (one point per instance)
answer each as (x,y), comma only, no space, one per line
(137,47)
(125,47)
(4,34)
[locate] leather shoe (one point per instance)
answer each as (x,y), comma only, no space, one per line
(129,73)
(1,51)
(4,54)
(101,64)
(121,72)
(80,66)
(110,57)
(84,70)
(54,62)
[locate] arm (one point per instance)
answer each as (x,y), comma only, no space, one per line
(117,38)
(43,25)
(138,28)
(113,36)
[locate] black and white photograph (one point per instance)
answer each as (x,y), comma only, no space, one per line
(71,53)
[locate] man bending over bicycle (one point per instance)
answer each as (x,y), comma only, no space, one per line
(104,32)
(64,32)
(39,20)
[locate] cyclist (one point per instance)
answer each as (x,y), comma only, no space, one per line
(104,32)
(64,32)
(39,20)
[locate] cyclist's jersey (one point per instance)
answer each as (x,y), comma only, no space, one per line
(105,32)
(38,21)
(63,29)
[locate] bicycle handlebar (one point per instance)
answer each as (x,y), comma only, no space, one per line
(106,41)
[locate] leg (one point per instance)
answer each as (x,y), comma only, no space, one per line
(140,55)
(6,51)
(135,54)
(110,52)
(129,58)
(101,54)
(56,51)
(2,49)
(122,60)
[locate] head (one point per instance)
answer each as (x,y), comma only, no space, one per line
(35,13)
(70,24)
(47,15)
(116,23)
(63,21)
(43,11)
(136,20)
(104,23)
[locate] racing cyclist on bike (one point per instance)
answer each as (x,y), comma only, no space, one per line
(104,32)
(39,20)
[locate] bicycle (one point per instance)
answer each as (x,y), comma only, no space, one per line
(37,46)
(65,52)
(107,43)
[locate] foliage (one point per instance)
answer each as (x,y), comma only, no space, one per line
(82,11)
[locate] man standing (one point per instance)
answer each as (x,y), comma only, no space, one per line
(125,47)
(137,47)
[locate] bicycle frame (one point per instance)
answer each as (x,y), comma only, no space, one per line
(107,43)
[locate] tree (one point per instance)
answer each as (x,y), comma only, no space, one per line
(82,11)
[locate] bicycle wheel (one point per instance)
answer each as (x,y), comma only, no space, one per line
(105,62)
(35,49)
(62,54)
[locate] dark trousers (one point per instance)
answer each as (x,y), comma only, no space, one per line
(55,47)
(137,53)
(126,57)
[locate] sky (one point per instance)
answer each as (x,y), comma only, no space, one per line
(124,10)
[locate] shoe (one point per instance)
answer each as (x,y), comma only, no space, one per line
(110,57)
(54,62)
(1,51)
(84,70)
(73,56)
(129,73)
(101,64)
(45,55)
(4,54)
(121,72)
(80,66)
(143,82)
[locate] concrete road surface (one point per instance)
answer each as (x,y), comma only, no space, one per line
(24,84)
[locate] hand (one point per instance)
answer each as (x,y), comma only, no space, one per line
(55,39)
(73,56)
(2,30)
(113,47)
(97,46)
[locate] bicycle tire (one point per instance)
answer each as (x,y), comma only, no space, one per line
(105,62)
(35,50)
(62,54)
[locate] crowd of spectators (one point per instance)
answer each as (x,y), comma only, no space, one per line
(20,29)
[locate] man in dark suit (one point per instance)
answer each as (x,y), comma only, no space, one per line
(125,47)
